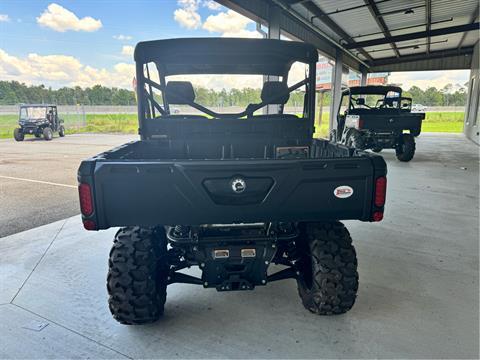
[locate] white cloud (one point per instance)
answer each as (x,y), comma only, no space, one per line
(128,50)
(229,21)
(426,79)
(229,24)
(191,5)
(122,37)
(4,18)
(62,70)
(187,15)
(60,19)
(212,5)
(187,19)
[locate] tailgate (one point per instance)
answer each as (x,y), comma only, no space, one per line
(202,192)
(391,122)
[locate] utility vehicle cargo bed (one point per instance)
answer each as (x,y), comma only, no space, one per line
(148,184)
(388,120)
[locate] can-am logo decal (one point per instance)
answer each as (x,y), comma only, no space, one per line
(343,192)
(238,185)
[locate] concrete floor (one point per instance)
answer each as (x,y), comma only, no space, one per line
(418,296)
(26,204)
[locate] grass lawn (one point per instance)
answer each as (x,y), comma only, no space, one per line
(450,122)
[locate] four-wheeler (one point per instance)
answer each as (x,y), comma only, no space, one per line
(39,120)
(377,118)
(231,193)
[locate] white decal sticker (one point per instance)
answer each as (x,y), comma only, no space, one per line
(343,192)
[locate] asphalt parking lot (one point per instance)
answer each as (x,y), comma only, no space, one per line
(38,178)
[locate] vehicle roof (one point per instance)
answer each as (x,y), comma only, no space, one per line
(37,105)
(372,89)
(224,55)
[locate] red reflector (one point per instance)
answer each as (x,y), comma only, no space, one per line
(86,201)
(360,123)
(89,225)
(377,216)
(380,191)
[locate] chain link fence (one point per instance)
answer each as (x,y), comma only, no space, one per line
(123,119)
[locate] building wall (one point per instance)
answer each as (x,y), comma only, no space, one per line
(472,111)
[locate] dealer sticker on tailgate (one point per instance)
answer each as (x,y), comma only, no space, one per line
(343,192)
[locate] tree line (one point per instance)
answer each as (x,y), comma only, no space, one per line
(14,92)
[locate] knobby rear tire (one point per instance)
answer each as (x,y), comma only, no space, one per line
(328,280)
(406,148)
(355,140)
(137,275)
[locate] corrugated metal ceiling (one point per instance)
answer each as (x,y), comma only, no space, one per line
(361,21)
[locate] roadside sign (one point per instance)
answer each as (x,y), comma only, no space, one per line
(324,76)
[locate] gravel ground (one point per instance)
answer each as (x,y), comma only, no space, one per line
(38,178)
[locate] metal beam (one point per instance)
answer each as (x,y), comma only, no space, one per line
(293,2)
(428,19)
(452,59)
(350,58)
(274,32)
(472,20)
(318,13)
(372,7)
(336,95)
(415,46)
(413,36)
(400,10)
(296,26)
(402,28)
(363,78)
(338,11)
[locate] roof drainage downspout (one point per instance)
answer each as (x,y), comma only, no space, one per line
(316,29)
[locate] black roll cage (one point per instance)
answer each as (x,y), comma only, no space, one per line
(251,108)
(282,53)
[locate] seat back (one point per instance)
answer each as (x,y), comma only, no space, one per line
(180,92)
(275,93)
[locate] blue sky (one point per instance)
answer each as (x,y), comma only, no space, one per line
(65,43)
(142,20)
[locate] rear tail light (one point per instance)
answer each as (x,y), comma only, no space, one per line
(89,225)
(86,200)
(380,195)
(360,124)
(380,191)
(377,216)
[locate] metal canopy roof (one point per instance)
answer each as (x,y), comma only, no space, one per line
(382,35)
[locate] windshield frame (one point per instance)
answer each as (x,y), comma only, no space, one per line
(35,109)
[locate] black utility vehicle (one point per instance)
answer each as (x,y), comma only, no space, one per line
(376,117)
(230,193)
(39,120)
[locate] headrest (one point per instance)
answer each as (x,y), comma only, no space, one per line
(179,92)
(277,90)
(389,101)
(360,101)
